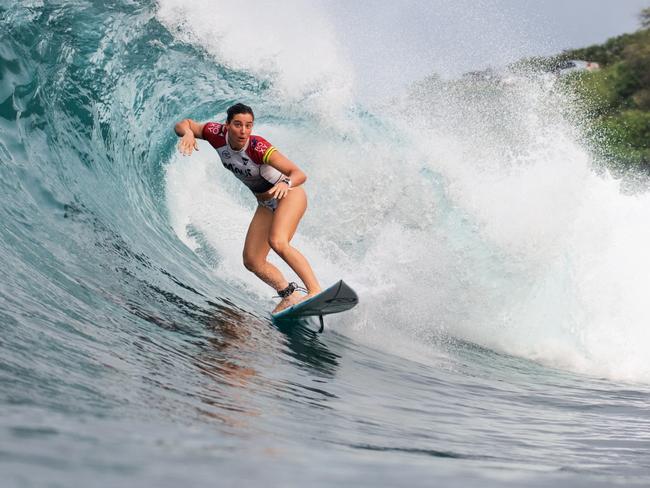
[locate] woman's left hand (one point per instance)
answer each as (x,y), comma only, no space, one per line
(280,190)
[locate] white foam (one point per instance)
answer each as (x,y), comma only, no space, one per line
(560,267)
(290,43)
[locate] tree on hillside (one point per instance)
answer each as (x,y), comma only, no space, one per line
(645,18)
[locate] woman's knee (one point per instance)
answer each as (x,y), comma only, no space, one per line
(279,244)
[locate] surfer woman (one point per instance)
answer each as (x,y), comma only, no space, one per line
(275,181)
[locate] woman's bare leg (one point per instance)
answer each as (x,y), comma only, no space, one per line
(256,250)
(285,222)
(275,230)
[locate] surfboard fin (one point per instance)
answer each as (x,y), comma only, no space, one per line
(322,324)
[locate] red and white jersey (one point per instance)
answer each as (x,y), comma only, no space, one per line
(249,164)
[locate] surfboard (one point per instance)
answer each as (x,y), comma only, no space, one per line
(337,298)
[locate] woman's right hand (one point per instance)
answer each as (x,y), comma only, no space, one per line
(187,144)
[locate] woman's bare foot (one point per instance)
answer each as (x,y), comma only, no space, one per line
(307,296)
(287,302)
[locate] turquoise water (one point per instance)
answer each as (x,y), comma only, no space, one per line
(136,350)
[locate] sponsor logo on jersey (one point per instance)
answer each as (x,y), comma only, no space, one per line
(259,146)
(214,128)
(226,154)
(236,170)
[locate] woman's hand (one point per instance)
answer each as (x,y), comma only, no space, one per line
(280,190)
(187,144)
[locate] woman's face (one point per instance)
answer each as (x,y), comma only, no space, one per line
(239,130)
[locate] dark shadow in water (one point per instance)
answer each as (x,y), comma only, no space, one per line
(421,451)
(238,345)
(306,346)
(232,344)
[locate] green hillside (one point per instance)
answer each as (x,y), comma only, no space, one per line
(616,98)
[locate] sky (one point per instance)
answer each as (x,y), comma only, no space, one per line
(414,38)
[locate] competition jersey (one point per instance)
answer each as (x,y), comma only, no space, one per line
(248,164)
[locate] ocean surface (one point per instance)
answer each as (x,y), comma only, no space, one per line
(503,333)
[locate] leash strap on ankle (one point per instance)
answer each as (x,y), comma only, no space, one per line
(289,290)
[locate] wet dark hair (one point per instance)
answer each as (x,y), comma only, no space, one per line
(238,108)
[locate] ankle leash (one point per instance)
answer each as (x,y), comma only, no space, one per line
(289,290)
